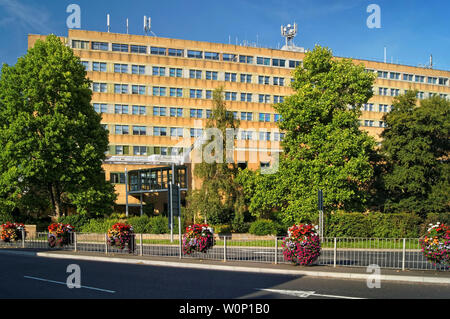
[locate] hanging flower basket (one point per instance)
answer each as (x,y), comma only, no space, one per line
(12,232)
(121,235)
(60,235)
(302,245)
(198,238)
(436,244)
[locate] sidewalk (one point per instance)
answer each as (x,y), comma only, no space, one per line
(357,273)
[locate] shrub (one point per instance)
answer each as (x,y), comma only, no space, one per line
(222,229)
(76,221)
(159,225)
(141,224)
(263,227)
(100,225)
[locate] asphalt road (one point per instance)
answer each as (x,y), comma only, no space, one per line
(39,277)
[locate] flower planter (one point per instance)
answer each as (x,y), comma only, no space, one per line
(198,238)
(436,245)
(302,245)
(60,235)
(121,235)
(12,232)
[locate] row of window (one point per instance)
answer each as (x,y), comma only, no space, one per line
(370,107)
(412,77)
(420,94)
(178,92)
(191,73)
(193,132)
(196,54)
(178,112)
(372,123)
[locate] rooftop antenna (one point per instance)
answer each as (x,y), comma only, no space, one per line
(431,61)
(145,25)
(289,32)
(148,26)
(127,25)
(107,22)
(385,54)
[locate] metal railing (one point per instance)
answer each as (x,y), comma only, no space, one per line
(392,253)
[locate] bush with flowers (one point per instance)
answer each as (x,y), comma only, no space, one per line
(198,238)
(12,232)
(436,244)
(60,234)
(302,245)
(121,235)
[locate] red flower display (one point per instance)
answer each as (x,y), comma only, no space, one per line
(12,232)
(121,235)
(198,238)
(302,246)
(59,234)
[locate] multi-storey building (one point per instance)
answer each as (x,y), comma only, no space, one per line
(155,92)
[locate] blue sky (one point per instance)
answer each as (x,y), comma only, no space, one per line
(410,29)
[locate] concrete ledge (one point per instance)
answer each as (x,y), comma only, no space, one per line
(326,274)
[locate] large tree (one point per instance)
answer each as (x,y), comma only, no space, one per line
(323,146)
(52,142)
(416,146)
(219,200)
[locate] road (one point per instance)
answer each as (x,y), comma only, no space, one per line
(39,277)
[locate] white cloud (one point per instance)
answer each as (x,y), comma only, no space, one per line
(25,16)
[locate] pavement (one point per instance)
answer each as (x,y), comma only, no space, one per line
(351,273)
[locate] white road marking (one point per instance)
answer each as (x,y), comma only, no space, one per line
(63,283)
(305,294)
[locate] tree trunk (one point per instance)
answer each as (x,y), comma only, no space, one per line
(56,200)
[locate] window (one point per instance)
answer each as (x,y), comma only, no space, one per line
(121,88)
(118,47)
(246,116)
(368,122)
(121,149)
(230,77)
(246,78)
(208,94)
(278,62)
(246,135)
(420,78)
(139,130)
(195,94)
(263,98)
(208,114)
(158,71)
(85,64)
(381,124)
(276,117)
(175,72)
(138,89)
(176,112)
(100,108)
(176,131)
(395,92)
(78,44)
(407,77)
(99,87)
(443,81)
(383,74)
(197,113)
(195,54)
(278,136)
(100,46)
(394,76)
(278,99)
(245,59)
(278,81)
(431,80)
(382,91)
(159,111)
(263,79)
(383,108)
(264,136)
(264,117)
(262,61)
(99,66)
(117,178)
(176,92)
(246,97)
(196,132)
(229,57)
(159,131)
(157,51)
(368,107)
(211,75)
(294,63)
(230,96)
(139,150)
(120,68)
(121,130)
(176,52)
(138,69)
(159,91)
(138,49)
(195,74)
(139,110)
(420,95)
(212,55)
(120,109)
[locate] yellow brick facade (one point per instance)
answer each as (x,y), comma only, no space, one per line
(384,91)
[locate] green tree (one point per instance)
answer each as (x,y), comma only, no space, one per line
(416,147)
(52,141)
(323,146)
(219,199)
